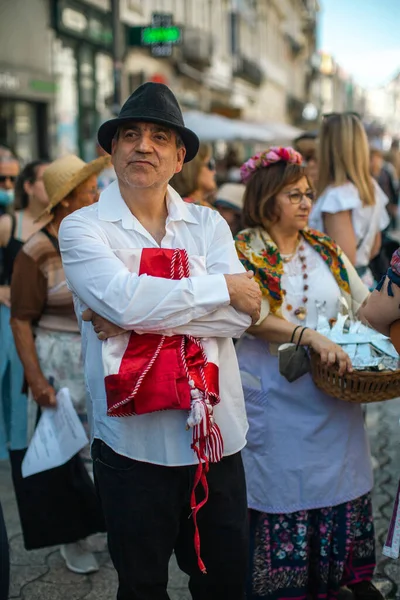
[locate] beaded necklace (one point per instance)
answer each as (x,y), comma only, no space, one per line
(301,312)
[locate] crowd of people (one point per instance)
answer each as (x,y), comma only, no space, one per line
(258,481)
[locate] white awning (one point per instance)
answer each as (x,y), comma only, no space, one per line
(211,127)
(283,131)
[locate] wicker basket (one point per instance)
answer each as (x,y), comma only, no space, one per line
(358,386)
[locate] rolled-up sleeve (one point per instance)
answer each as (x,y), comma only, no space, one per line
(102,282)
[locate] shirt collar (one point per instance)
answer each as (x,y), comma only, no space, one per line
(178,209)
(112,207)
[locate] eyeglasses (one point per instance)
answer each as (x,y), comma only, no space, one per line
(210,164)
(297,197)
(338,114)
(12,178)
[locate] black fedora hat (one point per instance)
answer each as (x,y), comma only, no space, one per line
(152,103)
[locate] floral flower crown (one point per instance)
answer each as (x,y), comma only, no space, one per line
(267,158)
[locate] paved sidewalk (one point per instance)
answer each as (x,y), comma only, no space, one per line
(41,574)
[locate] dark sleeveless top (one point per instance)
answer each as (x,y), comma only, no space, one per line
(9,254)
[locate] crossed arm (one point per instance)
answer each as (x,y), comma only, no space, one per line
(218,303)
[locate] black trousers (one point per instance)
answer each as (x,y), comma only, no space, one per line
(4,559)
(147,512)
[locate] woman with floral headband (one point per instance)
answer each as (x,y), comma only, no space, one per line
(307,459)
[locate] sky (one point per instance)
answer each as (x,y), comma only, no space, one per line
(363,36)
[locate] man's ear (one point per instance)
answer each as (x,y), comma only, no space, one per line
(181,153)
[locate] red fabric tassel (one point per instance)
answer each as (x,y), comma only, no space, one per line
(200,477)
(203,434)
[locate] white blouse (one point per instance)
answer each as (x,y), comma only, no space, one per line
(367,221)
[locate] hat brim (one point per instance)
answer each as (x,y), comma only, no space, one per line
(108,130)
(93,168)
(219,203)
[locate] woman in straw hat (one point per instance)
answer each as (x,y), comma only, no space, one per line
(47,338)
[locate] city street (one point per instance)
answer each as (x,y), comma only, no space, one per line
(171,172)
(42,575)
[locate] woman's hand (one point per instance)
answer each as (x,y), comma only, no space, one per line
(104,329)
(43,393)
(329,352)
(5,295)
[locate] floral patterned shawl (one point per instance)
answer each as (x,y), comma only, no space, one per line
(258,252)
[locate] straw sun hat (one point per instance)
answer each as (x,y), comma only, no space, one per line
(63,175)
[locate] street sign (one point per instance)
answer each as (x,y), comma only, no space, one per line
(160,36)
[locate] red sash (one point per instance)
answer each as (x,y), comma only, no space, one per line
(155,370)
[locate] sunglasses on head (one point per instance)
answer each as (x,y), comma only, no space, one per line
(339,114)
(210,164)
(12,178)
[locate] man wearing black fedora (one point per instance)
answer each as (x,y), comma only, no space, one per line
(160,281)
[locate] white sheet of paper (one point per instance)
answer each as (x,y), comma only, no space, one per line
(59,435)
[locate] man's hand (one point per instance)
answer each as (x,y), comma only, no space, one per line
(43,393)
(104,329)
(245,294)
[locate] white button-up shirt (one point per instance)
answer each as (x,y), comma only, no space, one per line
(95,244)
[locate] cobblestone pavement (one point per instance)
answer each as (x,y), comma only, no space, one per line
(384,428)
(41,574)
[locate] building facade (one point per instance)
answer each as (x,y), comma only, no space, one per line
(334,90)
(55,76)
(383,106)
(27,84)
(246,59)
(82,42)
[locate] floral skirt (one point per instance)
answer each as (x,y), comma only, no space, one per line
(311,553)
